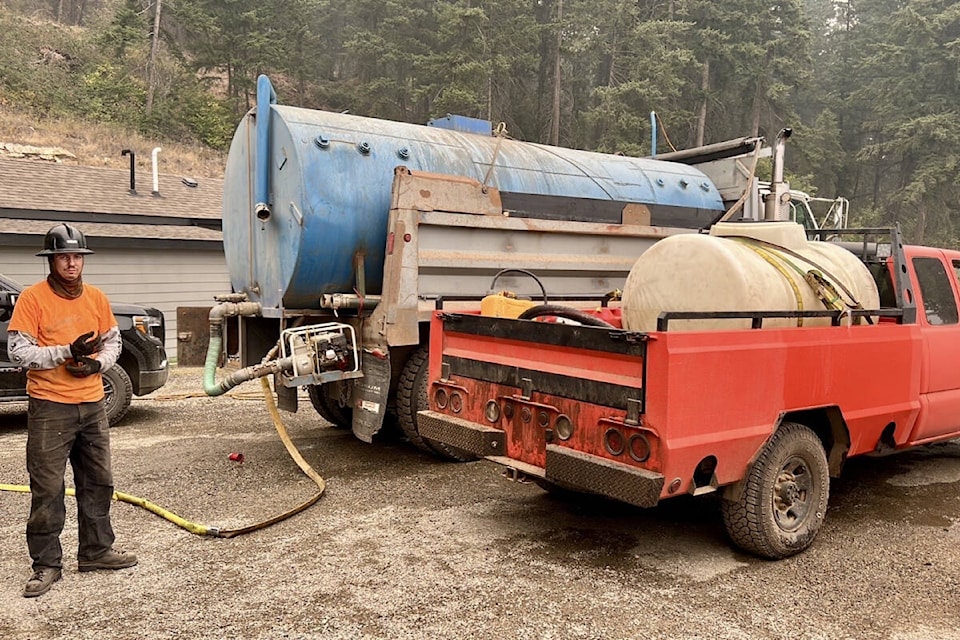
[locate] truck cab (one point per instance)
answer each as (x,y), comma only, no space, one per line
(936,273)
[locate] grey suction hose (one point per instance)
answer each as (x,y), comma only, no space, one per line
(210,384)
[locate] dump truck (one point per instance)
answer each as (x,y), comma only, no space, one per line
(343,233)
(748,362)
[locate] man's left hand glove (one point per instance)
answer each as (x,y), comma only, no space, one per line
(83,367)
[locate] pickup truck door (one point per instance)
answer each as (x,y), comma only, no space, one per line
(13,379)
(935,273)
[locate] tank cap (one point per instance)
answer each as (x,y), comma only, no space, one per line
(705,185)
(363,147)
(321,142)
(403,153)
(683,183)
(660,182)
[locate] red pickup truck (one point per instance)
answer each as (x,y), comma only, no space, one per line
(763,415)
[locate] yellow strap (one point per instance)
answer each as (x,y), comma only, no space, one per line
(827,293)
(500,132)
(771,258)
(831,280)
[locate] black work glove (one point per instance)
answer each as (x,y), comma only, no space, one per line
(83,367)
(85,345)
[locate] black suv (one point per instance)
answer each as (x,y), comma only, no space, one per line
(142,366)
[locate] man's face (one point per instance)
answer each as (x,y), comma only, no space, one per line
(68,266)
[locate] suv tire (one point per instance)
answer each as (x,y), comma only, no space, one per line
(117,393)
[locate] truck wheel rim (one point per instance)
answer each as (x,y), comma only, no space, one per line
(792,494)
(107,392)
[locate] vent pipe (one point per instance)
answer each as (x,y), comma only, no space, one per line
(777,205)
(133,169)
(156,174)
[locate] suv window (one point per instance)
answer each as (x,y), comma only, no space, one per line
(939,303)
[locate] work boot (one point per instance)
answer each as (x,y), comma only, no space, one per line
(41,581)
(112,559)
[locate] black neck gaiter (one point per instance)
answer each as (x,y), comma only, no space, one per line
(69,289)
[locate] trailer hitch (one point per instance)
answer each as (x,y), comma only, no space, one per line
(515,475)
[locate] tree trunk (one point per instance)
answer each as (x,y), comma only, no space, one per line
(702,118)
(544,15)
(154,50)
(555,122)
(921,223)
(755,124)
(612,73)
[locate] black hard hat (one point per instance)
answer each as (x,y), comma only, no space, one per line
(64,238)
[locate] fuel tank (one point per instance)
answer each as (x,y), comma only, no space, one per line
(320,207)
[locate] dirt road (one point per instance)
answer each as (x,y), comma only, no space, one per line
(406,546)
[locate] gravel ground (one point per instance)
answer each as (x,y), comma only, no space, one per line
(406,546)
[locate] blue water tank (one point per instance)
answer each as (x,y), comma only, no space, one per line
(329,179)
(462,123)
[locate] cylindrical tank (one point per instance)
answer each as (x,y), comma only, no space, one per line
(330,176)
(740,267)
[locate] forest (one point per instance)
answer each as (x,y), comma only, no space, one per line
(871,88)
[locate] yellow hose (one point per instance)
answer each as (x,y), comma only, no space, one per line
(204,530)
(295,454)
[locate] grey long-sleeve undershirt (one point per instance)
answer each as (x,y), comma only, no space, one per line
(25,351)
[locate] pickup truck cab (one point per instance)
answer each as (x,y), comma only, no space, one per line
(141,369)
(764,415)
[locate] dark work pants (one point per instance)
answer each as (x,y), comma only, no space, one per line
(55,433)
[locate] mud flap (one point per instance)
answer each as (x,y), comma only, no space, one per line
(370,396)
(286,396)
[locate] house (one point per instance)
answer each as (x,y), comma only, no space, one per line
(160,247)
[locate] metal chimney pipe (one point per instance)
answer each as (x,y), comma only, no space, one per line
(133,169)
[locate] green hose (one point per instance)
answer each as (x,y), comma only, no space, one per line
(210,385)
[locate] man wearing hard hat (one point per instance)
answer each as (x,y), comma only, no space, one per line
(64,333)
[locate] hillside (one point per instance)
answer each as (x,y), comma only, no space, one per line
(62,88)
(99,145)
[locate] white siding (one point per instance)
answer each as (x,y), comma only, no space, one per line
(161,278)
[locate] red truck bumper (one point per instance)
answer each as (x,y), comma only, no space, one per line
(564,466)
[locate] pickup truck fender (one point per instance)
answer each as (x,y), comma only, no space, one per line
(829,425)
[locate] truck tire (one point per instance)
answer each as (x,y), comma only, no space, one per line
(331,401)
(784,497)
(117,393)
(411,398)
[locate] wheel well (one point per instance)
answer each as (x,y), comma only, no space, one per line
(129,363)
(830,427)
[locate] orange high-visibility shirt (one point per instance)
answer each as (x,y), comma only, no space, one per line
(53,320)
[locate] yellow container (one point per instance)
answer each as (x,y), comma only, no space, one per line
(499,305)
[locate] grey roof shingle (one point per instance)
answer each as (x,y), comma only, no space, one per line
(105,230)
(44,186)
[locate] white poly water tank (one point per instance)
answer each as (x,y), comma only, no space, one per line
(741,267)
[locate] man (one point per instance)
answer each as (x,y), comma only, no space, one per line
(64,333)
